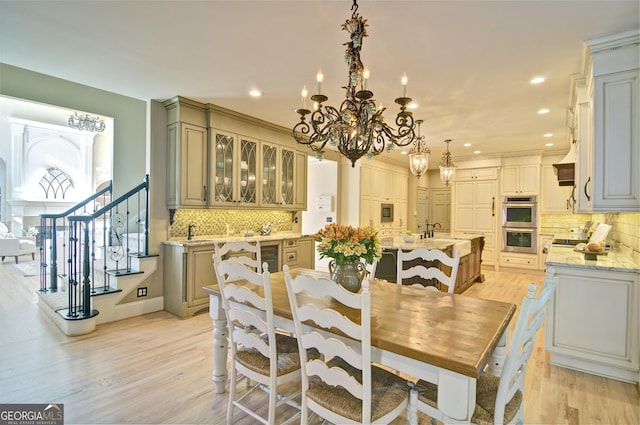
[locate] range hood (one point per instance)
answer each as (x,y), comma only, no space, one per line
(566,168)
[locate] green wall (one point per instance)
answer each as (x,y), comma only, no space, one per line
(129,114)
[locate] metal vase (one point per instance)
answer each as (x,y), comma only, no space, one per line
(348,274)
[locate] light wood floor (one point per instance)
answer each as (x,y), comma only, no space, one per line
(156,369)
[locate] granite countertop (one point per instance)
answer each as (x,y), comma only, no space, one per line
(619,261)
(439,241)
(210,239)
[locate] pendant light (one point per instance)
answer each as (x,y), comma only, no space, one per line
(419,154)
(447,168)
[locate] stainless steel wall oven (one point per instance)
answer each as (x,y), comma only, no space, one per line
(519,224)
(519,211)
(520,239)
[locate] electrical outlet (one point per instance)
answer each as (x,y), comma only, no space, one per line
(142,292)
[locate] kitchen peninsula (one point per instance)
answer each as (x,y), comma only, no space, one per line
(188,265)
(593,318)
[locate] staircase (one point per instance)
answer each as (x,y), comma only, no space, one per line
(93,257)
(105,304)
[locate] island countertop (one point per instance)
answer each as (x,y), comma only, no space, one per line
(614,260)
(442,242)
(210,239)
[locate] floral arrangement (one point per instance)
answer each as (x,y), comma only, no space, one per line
(347,243)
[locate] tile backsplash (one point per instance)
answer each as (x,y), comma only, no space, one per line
(625,231)
(214,222)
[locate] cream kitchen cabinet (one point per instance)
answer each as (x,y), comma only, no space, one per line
(468,174)
(616,147)
(234,173)
(217,158)
(593,323)
(278,176)
(186,166)
(300,181)
(520,261)
(299,252)
(520,179)
(475,204)
(380,183)
(608,152)
(554,199)
(186,270)
(400,217)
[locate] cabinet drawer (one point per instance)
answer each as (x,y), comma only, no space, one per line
(291,257)
(529,262)
(290,243)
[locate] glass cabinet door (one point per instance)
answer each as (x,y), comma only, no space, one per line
(286,177)
(247,171)
(269,175)
(223,184)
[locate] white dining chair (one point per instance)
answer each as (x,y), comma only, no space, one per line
(258,352)
(341,386)
(246,252)
(370,269)
(499,400)
(426,268)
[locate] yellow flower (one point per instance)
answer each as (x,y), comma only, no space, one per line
(348,243)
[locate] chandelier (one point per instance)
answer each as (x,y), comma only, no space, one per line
(357,127)
(447,169)
(85,122)
(419,154)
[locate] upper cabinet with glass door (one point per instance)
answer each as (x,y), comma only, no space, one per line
(283,178)
(234,169)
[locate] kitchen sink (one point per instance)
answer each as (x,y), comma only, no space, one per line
(570,242)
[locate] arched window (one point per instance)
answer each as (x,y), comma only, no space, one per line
(55,183)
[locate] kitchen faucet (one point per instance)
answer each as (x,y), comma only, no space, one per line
(430,234)
(433,228)
(190,232)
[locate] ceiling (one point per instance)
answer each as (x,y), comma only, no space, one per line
(469,63)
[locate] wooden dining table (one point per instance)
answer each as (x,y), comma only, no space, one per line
(447,339)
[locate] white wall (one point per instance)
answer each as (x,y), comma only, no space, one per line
(322,180)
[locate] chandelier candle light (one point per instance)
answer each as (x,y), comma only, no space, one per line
(85,122)
(419,154)
(357,128)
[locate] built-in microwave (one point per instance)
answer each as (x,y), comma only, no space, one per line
(519,211)
(386,213)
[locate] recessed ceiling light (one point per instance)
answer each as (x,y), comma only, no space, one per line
(466,145)
(537,80)
(548,135)
(412,105)
(548,144)
(403,152)
(255,93)
(543,111)
(476,152)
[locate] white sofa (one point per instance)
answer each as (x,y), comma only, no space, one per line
(11,246)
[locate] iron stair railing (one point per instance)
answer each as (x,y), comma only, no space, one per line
(103,235)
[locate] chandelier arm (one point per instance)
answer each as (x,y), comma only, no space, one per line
(357,128)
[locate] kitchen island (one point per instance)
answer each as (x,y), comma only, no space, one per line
(469,245)
(593,318)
